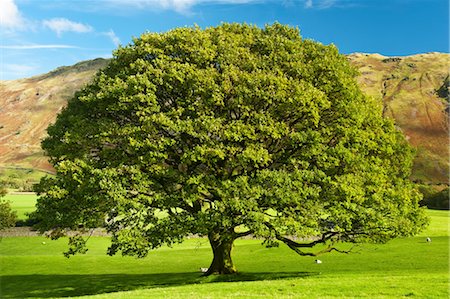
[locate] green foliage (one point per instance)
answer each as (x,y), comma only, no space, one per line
(225,132)
(8,217)
(436,200)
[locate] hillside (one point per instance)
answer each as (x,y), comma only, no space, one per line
(28,106)
(414,92)
(413,89)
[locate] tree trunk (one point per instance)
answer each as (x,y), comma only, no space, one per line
(221,246)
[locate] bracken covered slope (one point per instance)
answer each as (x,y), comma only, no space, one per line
(28,106)
(413,90)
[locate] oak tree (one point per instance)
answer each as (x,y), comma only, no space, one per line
(227,132)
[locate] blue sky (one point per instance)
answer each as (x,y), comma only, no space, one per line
(37,36)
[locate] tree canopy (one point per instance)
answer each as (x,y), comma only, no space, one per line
(226,132)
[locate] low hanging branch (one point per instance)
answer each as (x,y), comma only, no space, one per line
(328,249)
(243,234)
(296,246)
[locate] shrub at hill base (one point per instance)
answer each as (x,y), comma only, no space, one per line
(8,217)
(227,132)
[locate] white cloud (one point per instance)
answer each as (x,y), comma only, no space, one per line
(177,5)
(60,25)
(10,17)
(324,4)
(32,47)
(114,38)
(180,6)
(327,3)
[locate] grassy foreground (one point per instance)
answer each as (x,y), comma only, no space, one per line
(22,203)
(408,267)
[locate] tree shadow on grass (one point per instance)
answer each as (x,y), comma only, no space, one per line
(49,286)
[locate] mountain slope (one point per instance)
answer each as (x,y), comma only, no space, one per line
(413,90)
(28,106)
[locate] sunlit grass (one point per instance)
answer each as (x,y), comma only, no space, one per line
(409,267)
(22,204)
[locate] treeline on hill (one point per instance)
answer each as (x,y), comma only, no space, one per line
(435,198)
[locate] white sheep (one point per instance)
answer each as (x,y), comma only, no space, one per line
(428,239)
(204,270)
(318,261)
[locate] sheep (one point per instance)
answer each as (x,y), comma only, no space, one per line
(318,261)
(203,270)
(428,239)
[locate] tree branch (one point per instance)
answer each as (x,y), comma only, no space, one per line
(326,250)
(296,246)
(242,234)
(291,243)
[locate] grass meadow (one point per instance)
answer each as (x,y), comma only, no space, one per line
(402,268)
(22,203)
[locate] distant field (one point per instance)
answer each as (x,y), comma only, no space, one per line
(408,267)
(22,203)
(439,223)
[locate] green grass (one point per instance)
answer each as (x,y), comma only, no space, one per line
(408,267)
(440,225)
(22,204)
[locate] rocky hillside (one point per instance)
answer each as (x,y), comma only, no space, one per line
(413,90)
(28,106)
